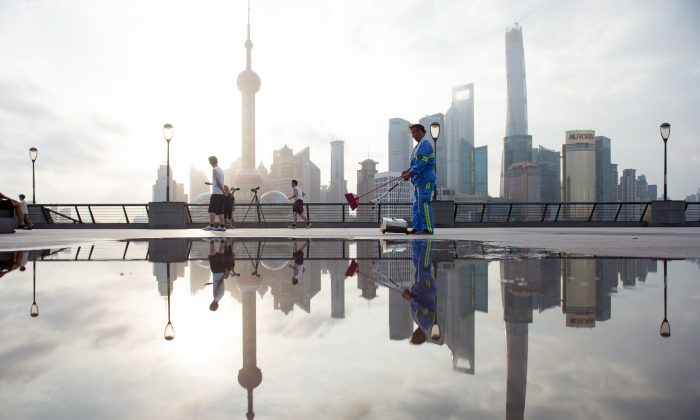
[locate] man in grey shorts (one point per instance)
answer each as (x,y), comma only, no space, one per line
(217,199)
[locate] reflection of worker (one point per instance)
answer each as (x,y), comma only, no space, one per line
(298,266)
(422,175)
(217,263)
(423,293)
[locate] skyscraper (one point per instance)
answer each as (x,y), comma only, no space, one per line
(177,190)
(481,171)
(365,182)
(549,162)
(628,185)
(517,143)
(400,144)
(338,186)
(459,139)
(578,167)
(603,170)
(248,83)
(286,165)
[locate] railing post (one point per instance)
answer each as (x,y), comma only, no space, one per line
(80,219)
(483,210)
(510,210)
(342,210)
(641,218)
(556,218)
(126,216)
(544,213)
(92,217)
(618,212)
(379,213)
(189,213)
(308,214)
(126,248)
(590,216)
(454,214)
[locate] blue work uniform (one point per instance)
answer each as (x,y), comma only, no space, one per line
(423,291)
(423,179)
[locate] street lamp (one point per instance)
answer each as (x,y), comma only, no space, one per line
(168,134)
(33,153)
(169,332)
(34,311)
(435,133)
(665,130)
(665,330)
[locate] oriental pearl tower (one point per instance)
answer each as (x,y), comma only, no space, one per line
(248,83)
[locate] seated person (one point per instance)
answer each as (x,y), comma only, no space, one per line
(18,209)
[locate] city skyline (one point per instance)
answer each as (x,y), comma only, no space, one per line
(89,91)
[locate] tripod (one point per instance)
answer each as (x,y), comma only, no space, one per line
(255,201)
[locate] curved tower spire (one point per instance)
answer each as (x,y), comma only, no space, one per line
(248,83)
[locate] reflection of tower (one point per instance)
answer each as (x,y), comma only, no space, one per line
(516,292)
(579,292)
(460,319)
(248,83)
(338,186)
(337,272)
(366,255)
(250,376)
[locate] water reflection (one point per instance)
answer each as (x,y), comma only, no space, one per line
(434,289)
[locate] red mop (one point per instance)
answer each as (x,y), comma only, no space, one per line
(354,200)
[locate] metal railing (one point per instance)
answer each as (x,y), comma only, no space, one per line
(463,214)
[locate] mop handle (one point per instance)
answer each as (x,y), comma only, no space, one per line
(380,186)
(382,195)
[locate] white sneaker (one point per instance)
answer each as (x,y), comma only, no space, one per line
(220,228)
(291,227)
(308,226)
(208,227)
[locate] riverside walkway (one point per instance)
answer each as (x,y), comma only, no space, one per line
(651,242)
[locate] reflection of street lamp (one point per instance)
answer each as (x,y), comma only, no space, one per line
(435,133)
(168,134)
(33,152)
(34,312)
(665,329)
(665,130)
(169,332)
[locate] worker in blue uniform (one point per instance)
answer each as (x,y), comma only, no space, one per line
(423,293)
(422,175)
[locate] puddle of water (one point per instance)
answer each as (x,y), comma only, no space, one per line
(344,329)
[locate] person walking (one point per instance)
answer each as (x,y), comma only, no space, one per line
(422,174)
(25,209)
(217,199)
(298,208)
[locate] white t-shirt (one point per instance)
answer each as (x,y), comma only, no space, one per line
(217,173)
(298,193)
(25,210)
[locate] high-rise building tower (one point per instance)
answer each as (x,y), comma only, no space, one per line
(578,166)
(549,162)
(517,143)
(400,144)
(628,185)
(481,170)
(603,170)
(459,139)
(248,82)
(365,182)
(338,186)
(177,190)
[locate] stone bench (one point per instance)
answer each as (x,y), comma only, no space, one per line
(7,217)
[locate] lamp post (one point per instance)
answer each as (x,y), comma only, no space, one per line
(33,153)
(169,332)
(435,133)
(665,130)
(34,311)
(168,134)
(665,330)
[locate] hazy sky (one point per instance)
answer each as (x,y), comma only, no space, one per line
(91,83)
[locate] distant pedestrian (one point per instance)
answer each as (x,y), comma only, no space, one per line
(217,199)
(298,207)
(229,204)
(27,221)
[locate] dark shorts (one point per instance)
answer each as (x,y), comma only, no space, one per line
(298,257)
(217,263)
(228,209)
(216,203)
(298,206)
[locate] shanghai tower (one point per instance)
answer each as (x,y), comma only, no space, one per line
(517,143)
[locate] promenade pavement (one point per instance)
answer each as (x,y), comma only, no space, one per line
(681,242)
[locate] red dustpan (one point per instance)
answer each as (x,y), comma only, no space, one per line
(353,200)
